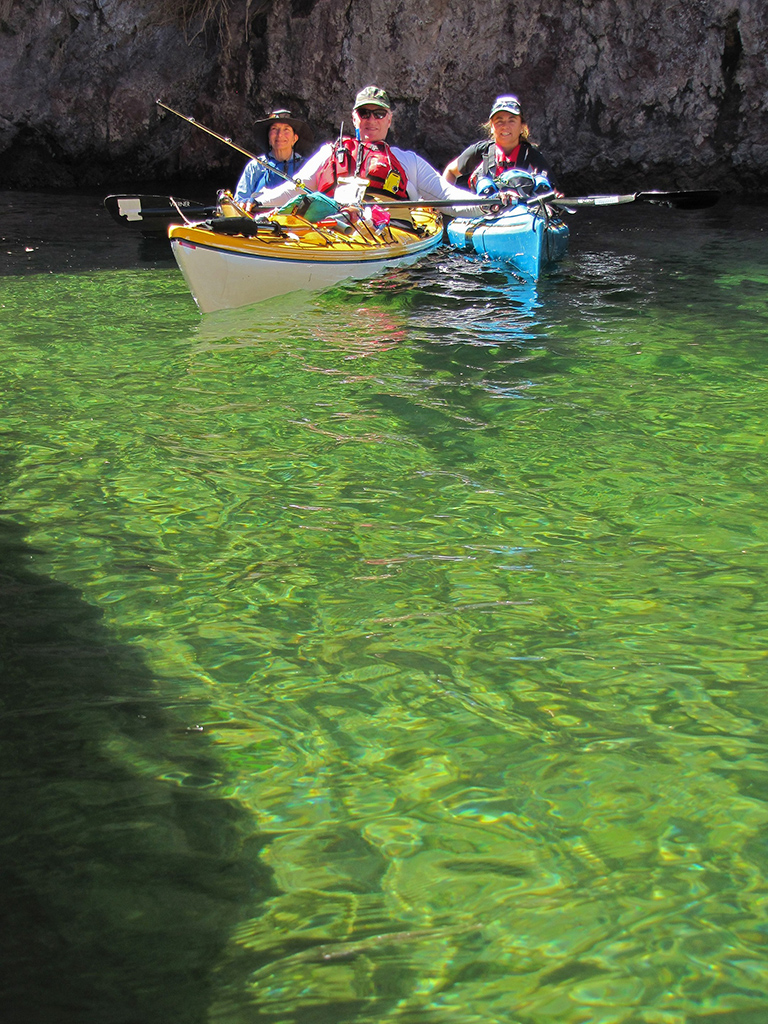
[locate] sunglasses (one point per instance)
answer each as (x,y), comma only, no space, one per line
(379,114)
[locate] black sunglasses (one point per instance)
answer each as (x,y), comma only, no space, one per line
(378,113)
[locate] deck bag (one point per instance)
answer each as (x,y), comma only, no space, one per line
(312,206)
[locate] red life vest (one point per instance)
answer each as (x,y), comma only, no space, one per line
(495,162)
(372,160)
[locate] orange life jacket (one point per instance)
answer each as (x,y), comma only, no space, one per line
(372,160)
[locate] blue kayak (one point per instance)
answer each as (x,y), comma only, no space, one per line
(529,235)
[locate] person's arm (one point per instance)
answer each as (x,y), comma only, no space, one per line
(451,172)
(464,163)
(280,194)
(250,182)
(425,183)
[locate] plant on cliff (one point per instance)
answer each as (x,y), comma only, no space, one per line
(195,16)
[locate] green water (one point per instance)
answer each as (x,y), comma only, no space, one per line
(433,607)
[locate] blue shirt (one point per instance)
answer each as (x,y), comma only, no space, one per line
(255,177)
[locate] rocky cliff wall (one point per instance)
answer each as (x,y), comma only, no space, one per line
(618,93)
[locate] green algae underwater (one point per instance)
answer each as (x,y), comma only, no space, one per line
(395,654)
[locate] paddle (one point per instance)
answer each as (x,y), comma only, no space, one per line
(695,199)
(152,215)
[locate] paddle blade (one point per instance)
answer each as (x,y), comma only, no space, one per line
(575,201)
(693,199)
(152,215)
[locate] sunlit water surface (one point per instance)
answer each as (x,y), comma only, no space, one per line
(391,655)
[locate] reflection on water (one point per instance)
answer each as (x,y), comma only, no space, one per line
(459,586)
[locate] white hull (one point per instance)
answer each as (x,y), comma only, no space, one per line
(225,272)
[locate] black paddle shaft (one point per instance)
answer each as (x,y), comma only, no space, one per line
(694,199)
(153,215)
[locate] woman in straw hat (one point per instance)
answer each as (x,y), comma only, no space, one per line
(283,140)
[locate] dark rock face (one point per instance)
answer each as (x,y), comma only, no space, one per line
(79,79)
(616,94)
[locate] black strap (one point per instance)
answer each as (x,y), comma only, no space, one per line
(359,161)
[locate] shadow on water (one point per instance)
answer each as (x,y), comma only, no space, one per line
(119,888)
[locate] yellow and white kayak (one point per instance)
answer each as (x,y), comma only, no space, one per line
(287,253)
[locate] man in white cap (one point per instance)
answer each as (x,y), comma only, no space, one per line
(392,173)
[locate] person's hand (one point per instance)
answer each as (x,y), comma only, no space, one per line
(508,197)
(253,206)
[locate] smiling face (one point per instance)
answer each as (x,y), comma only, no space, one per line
(372,126)
(506,129)
(282,139)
